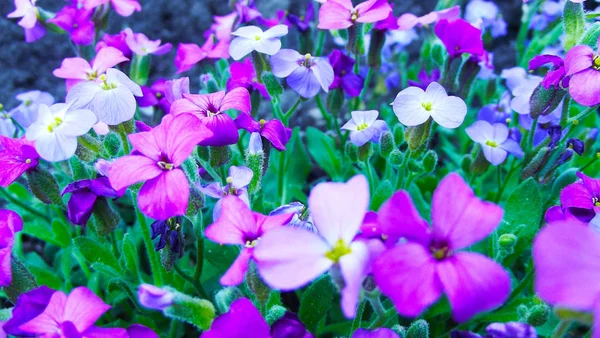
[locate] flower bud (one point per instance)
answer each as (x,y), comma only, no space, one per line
(465,163)
(155,298)
(22,280)
(565,178)
(382,193)
(276,312)
(365,152)
(255,160)
(273,86)
(208,83)
(400,331)
(574,23)
(591,35)
(43,185)
(507,241)
(417,137)
(387,144)
(480,164)
(139,69)
(399,134)
(468,72)
(375,47)
(196,202)
(538,315)
(225,297)
(203,153)
(105,219)
(112,144)
(396,157)
(414,166)
(430,161)
(198,312)
(544,101)
(260,65)
(190,168)
(335,100)
(536,164)
(352,152)
(356,39)
(418,329)
(84,153)
(219,156)
(256,284)
(78,169)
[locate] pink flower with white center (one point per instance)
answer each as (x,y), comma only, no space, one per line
(76,70)
(289,257)
(27,11)
(188,54)
(252,38)
(122,7)
(408,21)
(141,45)
(340,14)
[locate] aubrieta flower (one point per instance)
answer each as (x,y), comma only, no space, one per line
(340,14)
(414,106)
(116,41)
(582,198)
(486,15)
(26,112)
(289,257)
(556,77)
(222,26)
(77,70)
(494,141)
(154,96)
(238,225)
(252,38)
(155,298)
(500,330)
(10,223)
(122,7)
(273,131)
(17,155)
(460,37)
(583,65)
(408,21)
(377,333)
(416,272)
(302,22)
(425,79)
(77,22)
(56,129)
(156,160)
(27,11)
(302,218)
(344,77)
(169,232)
(111,97)
(84,194)
(364,127)
(141,45)
(305,74)
(189,54)
(244,75)
(499,112)
(237,185)
(211,110)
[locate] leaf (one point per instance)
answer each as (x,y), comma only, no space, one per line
(574,23)
(130,255)
(322,149)
(45,276)
(95,252)
(119,284)
(61,233)
(315,302)
(41,230)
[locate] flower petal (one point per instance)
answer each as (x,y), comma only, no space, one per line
(285,62)
(77,122)
(303,81)
(165,196)
(449,112)
(237,98)
(240,47)
(237,271)
(131,169)
(408,107)
(83,307)
(235,224)
(242,320)
(399,218)
(579,58)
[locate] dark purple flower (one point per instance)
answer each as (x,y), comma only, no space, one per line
(344,77)
(140,331)
(460,37)
(117,41)
(242,320)
(155,96)
(377,333)
(289,326)
(425,79)
(582,198)
(274,131)
(303,22)
(169,231)
(246,11)
(497,112)
(84,194)
(78,22)
(500,330)
(556,77)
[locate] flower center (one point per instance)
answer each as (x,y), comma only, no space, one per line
(158,95)
(307,62)
(210,113)
(105,84)
(354,15)
(91,76)
(262,123)
(596,64)
(257,37)
(28,161)
(251,243)
(75,25)
(28,103)
(165,165)
(427,105)
(362,126)
(490,143)
(595,201)
(57,122)
(340,249)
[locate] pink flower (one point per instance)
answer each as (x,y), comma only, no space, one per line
(122,7)
(244,75)
(10,223)
(222,26)
(77,22)
(238,225)
(408,21)
(141,45)
(460,37)
(188,54)
(27,11)
(583,65)
(414,274)
(289,257)
(340,14)
(116,41)
(156,160)
(16,157)
(76,70)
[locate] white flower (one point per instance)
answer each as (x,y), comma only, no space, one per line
(56,129)
(413,106)
(364,127)
(252,38)
(494,141)
(111,97)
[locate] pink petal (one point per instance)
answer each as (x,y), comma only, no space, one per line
(266,223)
(106,58)
(188,54)
(399,218)
(288,258)
(12,220)
(237,271)
(132,169)
(83,308)
(235,225)
(373,11)
(239,99)
(5,268)
(111,332)
(576,195)
(473,283)
(407,21)
(165,195)
(407,274)
(146,143)
(335,14)
(459,217)
(579,58)
(585,86)
(181,134)
(48,321)
(126,7)
(73,68)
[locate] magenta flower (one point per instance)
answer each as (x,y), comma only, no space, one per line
(156,160)
(141,45)
(290,257)
(237,185)
(77,22)
(556,77)
(340,14)
(273,131)
(238,225)
(16,157)
(84,194)
(242,320)
(29,305)
(459,37)
(377,333)
(154,297)
(154,96)
(305,74)
(582,199)
(244,75)
(76,70)
(222,26)
(583,65)
(27,11)
(189,54)
(10,223)
(408,21)
(344,77)
(416,273)
(122,7)
(211,108)
(116,41)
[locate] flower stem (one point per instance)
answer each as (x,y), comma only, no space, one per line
(576,119)
(199,259)
(124,140)
(531,134)
(152,257)
(196,284)
(561,329)
(320,42)
(326,116)
(22,205)
(288,114)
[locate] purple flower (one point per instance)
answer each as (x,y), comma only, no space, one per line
(29,306)
(237,185)
(305,74)
(302,218)
(244,75)
(242,320)
(583,65)
(10,223)
(84,194)
(497,112)
(424,79)
(155,298)
(77,22)
(556,77)
(377,333)
(116,41)
(238,225)
(122,7)
(303,22)
(211,108)
(460,37)
(16,157)
(27,112)
(189,54)
(494,141)
(340,14)
(274,131)
(416,273)
(344,77)
(156,160)
(288,257)
(486,15)
(364,127)
(28,12)
(582,198)
(222,26)
(140,331)
(500,330)
(155,96)
(169,232)
(141,45)
(408,21)
(289,326)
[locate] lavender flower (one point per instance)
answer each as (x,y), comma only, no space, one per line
(305,74)
(237,185)
(365,127)
(494,141)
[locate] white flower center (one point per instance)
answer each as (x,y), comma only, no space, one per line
(491,143)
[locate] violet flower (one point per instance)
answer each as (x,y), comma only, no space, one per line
(237,185)
(77,22)
(305,74)
(29,305)
(500,330)
(27,112)
(289,326)
(408,21)
(122,7)
(556,77)
(344,76)
(460,37)
(364,127)
(140,331)
(116,41)
(244,75)
(583,65)
(28,12)
(494,141)
(497,112)
(155,298)
(340,14)
(414,274)
(303,22)
(211,108)
(176,88)
(238,225)
(302,218)
(17,155)
(288,258)
(141,45)
(486,15)
(273,131)
(425,79)
(155,96)
(84,194)
(242,320)
(156,160)
(582,198)
(170,232)
(189,54)
(252,38)
(10,223)
(377,333)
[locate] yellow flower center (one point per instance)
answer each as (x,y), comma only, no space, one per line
(57,122)
(251,244)
(257,37)
(106,85)
(596,201)
(91,76)
(508,120)
(440,253)
(28,161)
(491,143)
(210,113)
(262,123)
(229,180)
(354,15)
(362,126)
(165,165)
(28,103)
(427,105)
(596,64)
(340,249)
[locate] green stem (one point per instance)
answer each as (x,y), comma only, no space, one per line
(596,157)
(320,42)
(24,206)
(324,111)
(281,188)
(531,134)
(124,140)
(561,329)
(152,256)
(576,119)
(287,115)
(194,283)
(199,259)
(366,84)
(523,284)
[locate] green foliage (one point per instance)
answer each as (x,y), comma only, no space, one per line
(315,302)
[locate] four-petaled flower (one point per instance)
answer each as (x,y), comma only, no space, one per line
(189,54)
(237,185)
(583,65)
(141,45)
(305,74)
(252,38)
(494,141)
(340,14)
(364,127)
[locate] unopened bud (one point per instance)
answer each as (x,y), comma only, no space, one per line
(78,169)
(536,164)
(507,241)
(418,329)
(387,144)
(396,157)
(538,315)
(21,280)
(430,161)
(273,86)
(356,39)
(480,164)
(275,312)
(196,202)
(400,330)
(414,166)
(465,163)
(208,83)
(335,100)
(375,47)
(105,218)
(225,297)
(43,185)
(255,160)
(417,137)
(155,298)
(256,284)
(352,152)
(398,134)
(544,101)
(365,152)
(198,312)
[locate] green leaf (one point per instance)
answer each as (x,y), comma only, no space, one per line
(322,149)
(45,276)
(119,284)
(574,23)
(130,256)
(315,302)
(61,234)
(95,252)
(41,230)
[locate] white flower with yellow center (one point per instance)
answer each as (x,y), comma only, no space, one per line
(252,38)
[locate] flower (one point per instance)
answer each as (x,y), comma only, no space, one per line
(222,26)
(77,70)
(583,65)
(112,98)
(460,37)
(416,273)
(169,232)
(377,333)
(155,298)
(494,141)
(242,320)
(141,45)
(56,129)
(414,106)
(290,257)
(340,14)
(174,89)
(289,326)
(122,7)
(365,127)
(497,112)
(10,223)
(156,160)
(77,22)
(273,131)
(27,11)
(238,225)
(302,218)
(486,15)
(29,306)
(154,96)
(27,112)
(554,78)
(116,41)
(210,109)
(188,54)
(252,38)
(16,157)
(84,194)
(305,74)
(237,185)
(408,21)
(302,22)
(582,198)
(244,75)
(425,79)
(344,77)
(500,330)
(140,331)
(7,125)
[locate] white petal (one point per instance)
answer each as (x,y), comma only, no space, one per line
(240,47)
(435,92)
(114,106)
(114,75)
(324,72)
(494,155)
(500,132)
(408,107)
(77,122)
(449,112)
(275,32)
(268,46)
(82,94)
(285,62)
(365,117)
(56,147)
(249,32)
(36,130)
(350,125)
(480,131)
(45,115)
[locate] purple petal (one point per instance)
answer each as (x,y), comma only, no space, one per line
(140,331)
(154,298)
(285,62)
(235,225)
(29,305)
(241,177)
(377,333)
(224,131)
(238,99)
(352,84)
(242,320)
(399,218)
(304,82)
(83,307)
(246,122)
(277,134)
(80,207)
(237,271)
(131,169)
(182,133)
